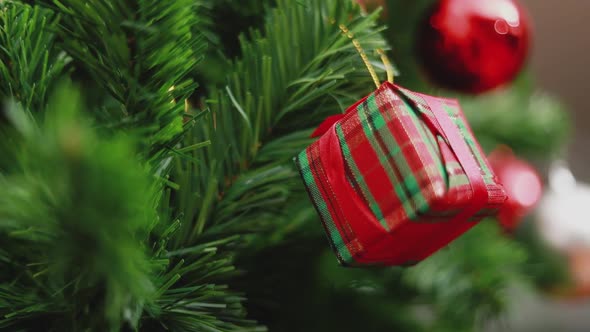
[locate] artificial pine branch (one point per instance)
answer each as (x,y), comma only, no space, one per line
(30,65)
(74,219)
(531,122)
(270,93)
(478,268)
(198,303)
(142,54)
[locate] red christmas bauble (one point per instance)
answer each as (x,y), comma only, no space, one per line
(522,184)
(474,45)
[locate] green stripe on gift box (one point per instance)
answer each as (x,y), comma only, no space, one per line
(334,234)
(393,152)
(374,124)
(466,133)
(359,179)
(433,173)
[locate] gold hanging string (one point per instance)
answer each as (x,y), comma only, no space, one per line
(362,53)
(388,66)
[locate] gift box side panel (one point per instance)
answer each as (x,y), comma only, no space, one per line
(349,224)
(311,172)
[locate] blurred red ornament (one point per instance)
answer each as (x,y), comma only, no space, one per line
(474,45)
(370,5)
(522,184)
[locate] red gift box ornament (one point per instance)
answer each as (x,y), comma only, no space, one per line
(397,177)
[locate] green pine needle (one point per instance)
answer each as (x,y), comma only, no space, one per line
(141,53)
(30,65)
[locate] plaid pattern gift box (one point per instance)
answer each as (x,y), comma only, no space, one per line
(397,177)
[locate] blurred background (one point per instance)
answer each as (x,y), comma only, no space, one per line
(560,64)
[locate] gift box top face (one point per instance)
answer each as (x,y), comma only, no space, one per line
(398,162)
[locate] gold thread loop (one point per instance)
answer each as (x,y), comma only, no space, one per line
(388,66)
(362,53)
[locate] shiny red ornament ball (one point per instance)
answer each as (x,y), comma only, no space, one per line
(522,184)
(474,46)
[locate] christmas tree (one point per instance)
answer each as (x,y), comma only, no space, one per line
(147,180)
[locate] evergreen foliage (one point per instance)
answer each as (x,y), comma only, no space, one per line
(30,65)
(140,54)
(73,255)
(132,199)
